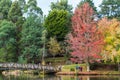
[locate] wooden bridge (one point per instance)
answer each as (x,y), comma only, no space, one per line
(16,66)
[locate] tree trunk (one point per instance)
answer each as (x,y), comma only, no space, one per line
(88,67)
(88,78)
(87,63)
(17,45)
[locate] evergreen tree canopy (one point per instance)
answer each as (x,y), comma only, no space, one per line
(4,8)
(110,8)
(32,39)
(31,36)
(62,5)
(15,12)
(56,24)
(32,8)
(7,41)
(16,16)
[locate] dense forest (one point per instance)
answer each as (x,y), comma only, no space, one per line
(84,35)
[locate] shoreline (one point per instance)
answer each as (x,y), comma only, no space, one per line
(18,72)
(90,73)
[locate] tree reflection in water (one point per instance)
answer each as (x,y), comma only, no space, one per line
(60,77)
(95,77)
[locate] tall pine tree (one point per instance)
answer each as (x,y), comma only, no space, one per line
(32,29)
(16,16)
(7,41)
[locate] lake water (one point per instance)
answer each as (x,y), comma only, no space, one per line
(63,77)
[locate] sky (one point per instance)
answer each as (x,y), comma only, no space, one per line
(45,4)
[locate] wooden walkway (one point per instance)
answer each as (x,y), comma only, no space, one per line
(13,66)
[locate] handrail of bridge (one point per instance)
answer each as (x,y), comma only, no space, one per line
(29,66)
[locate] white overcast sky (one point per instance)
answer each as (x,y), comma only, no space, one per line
(45,4)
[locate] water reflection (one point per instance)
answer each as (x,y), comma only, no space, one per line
(95,77)
(62,77)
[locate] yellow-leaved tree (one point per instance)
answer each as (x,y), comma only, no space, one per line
(54,47)
(111,31)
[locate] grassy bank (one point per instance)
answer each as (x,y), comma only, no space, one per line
(71,70)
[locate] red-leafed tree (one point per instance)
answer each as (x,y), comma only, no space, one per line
(85,39)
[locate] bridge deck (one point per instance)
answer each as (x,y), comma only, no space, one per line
(11,66)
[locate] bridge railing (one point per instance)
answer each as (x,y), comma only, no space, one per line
(28,66)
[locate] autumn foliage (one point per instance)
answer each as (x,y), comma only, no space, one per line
(85,39)
(111,32)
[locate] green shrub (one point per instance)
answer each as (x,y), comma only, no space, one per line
(72,69)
